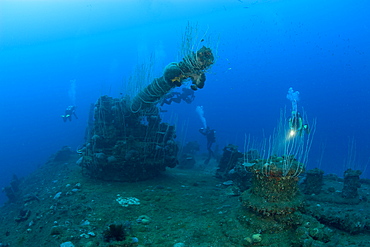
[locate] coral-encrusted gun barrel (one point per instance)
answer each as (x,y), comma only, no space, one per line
(192,66)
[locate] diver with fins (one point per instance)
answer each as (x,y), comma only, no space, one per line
(296,124)
(70,110)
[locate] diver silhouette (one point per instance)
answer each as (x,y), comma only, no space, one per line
(211,138)
(296,121)
(296,124)
(70,110)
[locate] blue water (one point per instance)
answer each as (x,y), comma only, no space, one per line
(320,48)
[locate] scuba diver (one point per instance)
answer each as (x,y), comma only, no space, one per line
(211,138)
(70,110)
(187,95)
(296,124)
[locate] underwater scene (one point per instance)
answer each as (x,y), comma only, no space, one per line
(173,123)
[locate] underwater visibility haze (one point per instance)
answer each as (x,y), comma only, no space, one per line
(233,99)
